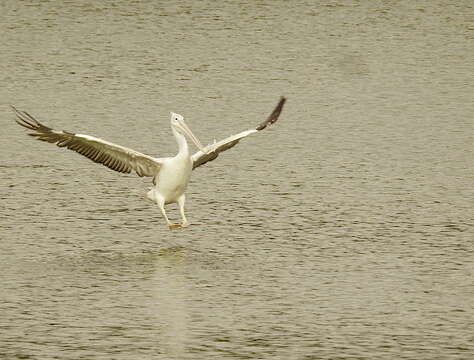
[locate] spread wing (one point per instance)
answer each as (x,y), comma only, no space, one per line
(113,156)
(213,150)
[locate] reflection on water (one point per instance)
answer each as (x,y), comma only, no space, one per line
(343,232)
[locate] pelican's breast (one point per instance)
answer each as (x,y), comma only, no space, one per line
(173,177)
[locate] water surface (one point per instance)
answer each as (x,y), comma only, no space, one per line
(343,232)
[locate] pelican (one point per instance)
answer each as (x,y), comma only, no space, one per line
(170,175)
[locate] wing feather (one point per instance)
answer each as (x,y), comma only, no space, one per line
(213,150)
(113,156)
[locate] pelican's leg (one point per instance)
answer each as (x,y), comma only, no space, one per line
(161,203)
(181,201)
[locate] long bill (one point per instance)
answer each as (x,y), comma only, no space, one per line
(190,134)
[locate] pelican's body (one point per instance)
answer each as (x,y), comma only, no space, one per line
(173,179)
(170,175)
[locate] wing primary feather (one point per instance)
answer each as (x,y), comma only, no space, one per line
(114,164)
(97,156)
(94,154)
(273,117)
(87,152)
(107,161)
(22,121)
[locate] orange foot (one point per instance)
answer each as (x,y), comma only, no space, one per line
(174,226)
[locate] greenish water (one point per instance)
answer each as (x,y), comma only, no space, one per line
(343,232)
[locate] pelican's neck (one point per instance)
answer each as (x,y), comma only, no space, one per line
(182,143)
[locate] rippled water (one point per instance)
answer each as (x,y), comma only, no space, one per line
(343,232)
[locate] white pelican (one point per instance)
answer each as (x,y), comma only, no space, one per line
(170,175)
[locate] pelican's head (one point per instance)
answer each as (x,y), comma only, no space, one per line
(178,125)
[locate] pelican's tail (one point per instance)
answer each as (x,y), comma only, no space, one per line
(151,195)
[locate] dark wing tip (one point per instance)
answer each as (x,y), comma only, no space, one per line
(26,120)
(273,117)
